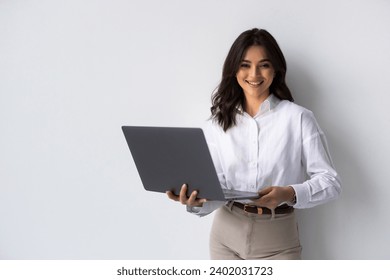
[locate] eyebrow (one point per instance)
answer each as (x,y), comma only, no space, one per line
(263,60)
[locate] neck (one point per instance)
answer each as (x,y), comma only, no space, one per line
(252,104)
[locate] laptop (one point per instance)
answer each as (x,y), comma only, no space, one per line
(168,157)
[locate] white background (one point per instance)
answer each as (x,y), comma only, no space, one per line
(73,72)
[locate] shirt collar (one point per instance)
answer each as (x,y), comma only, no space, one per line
(270,103)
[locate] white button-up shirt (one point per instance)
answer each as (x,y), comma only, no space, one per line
(281,146)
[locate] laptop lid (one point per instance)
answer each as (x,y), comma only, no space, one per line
(168,157)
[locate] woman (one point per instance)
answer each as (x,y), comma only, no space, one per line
(261,141)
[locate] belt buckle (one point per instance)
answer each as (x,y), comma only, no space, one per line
(256,209)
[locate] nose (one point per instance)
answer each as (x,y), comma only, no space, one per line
(255,71)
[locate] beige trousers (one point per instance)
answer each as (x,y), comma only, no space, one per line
(236,234)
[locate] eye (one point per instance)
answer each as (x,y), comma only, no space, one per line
(265,65)
(245,65)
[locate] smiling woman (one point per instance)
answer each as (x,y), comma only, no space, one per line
(255,76)
(255,57)
(260,141)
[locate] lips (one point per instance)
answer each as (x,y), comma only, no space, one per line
(254,84)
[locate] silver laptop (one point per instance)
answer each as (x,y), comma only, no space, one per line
(168,157)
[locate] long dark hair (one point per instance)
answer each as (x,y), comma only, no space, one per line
(229,95)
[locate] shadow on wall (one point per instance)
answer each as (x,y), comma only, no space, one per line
(344,215)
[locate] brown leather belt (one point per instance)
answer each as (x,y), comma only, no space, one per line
(283,209)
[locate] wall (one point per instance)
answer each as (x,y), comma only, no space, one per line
(73,72)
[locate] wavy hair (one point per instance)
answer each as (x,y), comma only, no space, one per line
(228,96)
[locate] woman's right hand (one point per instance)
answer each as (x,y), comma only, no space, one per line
(191,200)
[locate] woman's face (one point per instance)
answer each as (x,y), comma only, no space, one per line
(256,73)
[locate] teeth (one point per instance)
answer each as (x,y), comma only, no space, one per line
(253,83)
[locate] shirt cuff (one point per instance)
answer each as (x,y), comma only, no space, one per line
(207,208)
(302,195)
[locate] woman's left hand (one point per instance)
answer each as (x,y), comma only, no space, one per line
(271,197)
